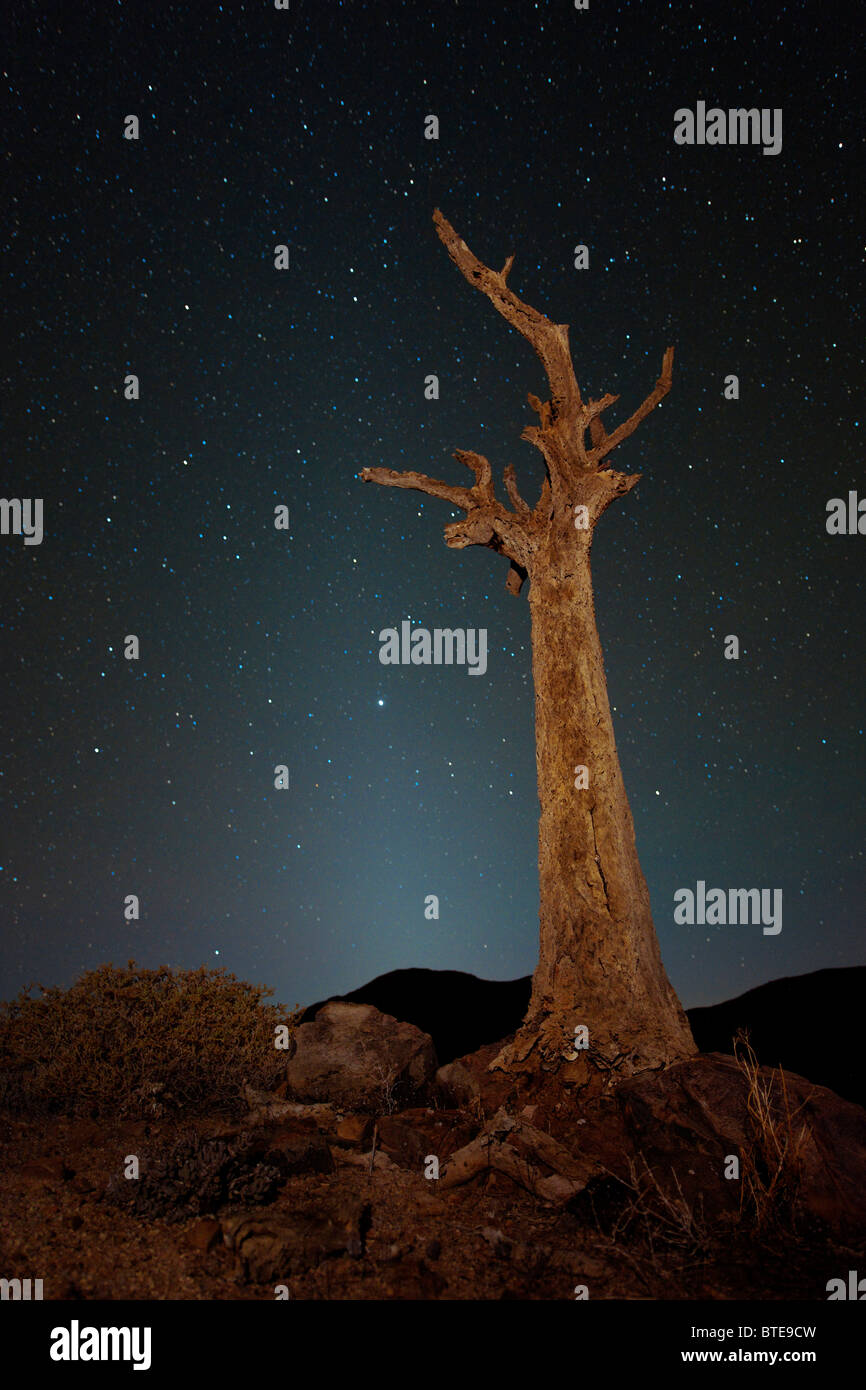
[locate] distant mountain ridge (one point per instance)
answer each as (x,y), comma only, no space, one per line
(460,1011)
(808,1024)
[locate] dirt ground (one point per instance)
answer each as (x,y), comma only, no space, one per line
(486,1240)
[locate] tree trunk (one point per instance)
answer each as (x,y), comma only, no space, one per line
(599,966)
(599,961)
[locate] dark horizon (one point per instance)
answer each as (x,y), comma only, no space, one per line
(524,980)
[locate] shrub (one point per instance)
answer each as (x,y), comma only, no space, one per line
(135,1042)
(195,1176)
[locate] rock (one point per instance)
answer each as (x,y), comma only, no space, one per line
(412,1135)
(457,1084)
(691,1116)
(467,1081)
(402,1142)
(380,1162)
(360,1059)
(279,1247)
(203,1235)
(354,1130)
(321,1117)
(294,1150)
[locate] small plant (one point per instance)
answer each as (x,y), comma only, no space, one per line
(135,1042)
(195,1176)
(387,1080)
(665,1218)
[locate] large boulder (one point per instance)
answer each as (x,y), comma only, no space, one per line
(468,1083)
(360,1059)
(688,1119)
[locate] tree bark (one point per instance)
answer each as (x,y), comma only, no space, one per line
(599,962)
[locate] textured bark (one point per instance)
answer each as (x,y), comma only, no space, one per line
(599,963)
(523,1153)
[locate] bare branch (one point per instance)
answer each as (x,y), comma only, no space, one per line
(419,482)
(541,408)
(514,497)
(661,388)
(550,340)
(475,529)
(594,408)
(487,521)
(483,473)
(523,1153)
(622,482)
(542,506)
(563,422)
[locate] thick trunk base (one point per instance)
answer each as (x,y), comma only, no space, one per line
(600,987)
(549,1045)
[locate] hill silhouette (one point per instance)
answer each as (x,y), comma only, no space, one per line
(808,1024)
(460,1011)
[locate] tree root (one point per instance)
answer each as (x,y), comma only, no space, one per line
(522,1153)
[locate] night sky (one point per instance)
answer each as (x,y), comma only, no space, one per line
(261,387)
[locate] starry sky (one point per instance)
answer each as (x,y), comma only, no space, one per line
(261,387)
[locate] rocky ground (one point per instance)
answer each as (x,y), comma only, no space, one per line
(326,1189)
(350,1233)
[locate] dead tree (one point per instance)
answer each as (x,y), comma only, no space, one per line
(599,963)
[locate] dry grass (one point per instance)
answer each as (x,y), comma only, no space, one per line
(658,1221)
(662,1217)
(134,1042)
(771,1166)
(386,1077)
